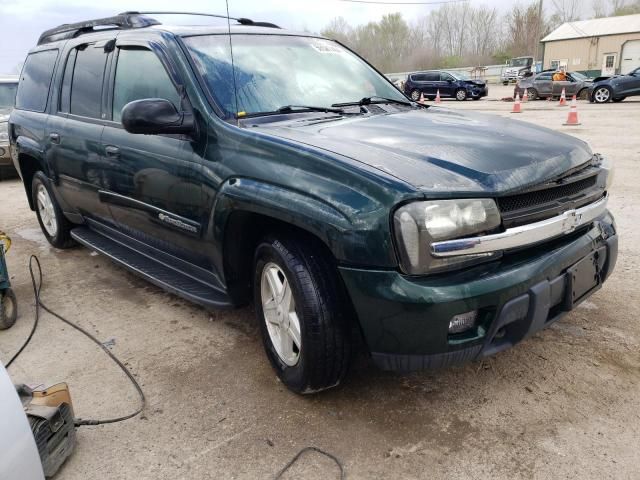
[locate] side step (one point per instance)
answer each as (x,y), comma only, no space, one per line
(160,274)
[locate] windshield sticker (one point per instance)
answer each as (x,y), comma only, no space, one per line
(326,47)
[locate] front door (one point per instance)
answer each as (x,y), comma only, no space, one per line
(609,64)
(447,85)
(155,192)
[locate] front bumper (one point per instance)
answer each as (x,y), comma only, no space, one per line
(405,319)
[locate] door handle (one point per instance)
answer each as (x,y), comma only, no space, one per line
(112,151)
(54,137)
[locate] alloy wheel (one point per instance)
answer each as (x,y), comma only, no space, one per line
(46,210)
(602,95)
(279,308)
(461,95)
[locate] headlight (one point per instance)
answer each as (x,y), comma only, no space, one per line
(419,224)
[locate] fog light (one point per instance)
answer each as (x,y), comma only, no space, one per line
(463,322)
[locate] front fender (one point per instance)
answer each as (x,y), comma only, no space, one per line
(351,239)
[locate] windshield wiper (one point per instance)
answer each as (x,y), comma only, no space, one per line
(293,109)
(310,108)
(373,99)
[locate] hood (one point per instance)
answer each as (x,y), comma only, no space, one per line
(444,151)
(475,82)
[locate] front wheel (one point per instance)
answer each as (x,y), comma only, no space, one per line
(300,306)
(8,309)
(461,95)
(602,95)
(54,225)
(532,94)
(583,94)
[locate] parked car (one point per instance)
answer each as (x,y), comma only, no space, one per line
(348,214)
(8,87)
(543,86)
(456,85)
(615,88)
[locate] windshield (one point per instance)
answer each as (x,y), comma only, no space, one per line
(459,75)
(579,76)
(272,71)
(520,62)
(8,94)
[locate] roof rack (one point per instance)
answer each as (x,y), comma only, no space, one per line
(128,20)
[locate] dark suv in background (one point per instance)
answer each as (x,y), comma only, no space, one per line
(456,85)
(348,214)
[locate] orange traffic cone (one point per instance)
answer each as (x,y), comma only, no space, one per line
(516,105)
(563,99)
(525,96)
(438,96)
(572,118)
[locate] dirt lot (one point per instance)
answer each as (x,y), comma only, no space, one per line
(563,404)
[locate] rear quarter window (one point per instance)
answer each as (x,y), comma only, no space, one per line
(35,81)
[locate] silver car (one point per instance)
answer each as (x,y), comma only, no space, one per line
(542,85)
(8,87)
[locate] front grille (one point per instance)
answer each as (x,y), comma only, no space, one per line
(541,197)
(542,203)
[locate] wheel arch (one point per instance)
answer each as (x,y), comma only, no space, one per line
(246,210)
(28,165)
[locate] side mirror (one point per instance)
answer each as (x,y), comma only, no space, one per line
(152,116)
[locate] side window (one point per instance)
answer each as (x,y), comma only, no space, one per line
(544,76)
(35,81)
(140,74)
(86,85)
(445,77)
(65,94)
(432,77)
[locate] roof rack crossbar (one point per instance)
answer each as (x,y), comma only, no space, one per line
(71,30)
(241,20)
(127,20)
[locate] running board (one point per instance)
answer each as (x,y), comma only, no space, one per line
(160,274)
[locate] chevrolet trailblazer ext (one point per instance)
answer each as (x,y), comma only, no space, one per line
(288,171)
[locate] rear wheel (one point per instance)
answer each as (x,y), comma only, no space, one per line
(300,306)
(461,94)
(8,309)
(602,95)
(415,95)
(54,225)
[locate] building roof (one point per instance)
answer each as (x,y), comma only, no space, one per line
(595,28)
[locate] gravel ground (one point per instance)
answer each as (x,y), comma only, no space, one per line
(563,404)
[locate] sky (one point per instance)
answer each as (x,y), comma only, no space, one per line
(22,21)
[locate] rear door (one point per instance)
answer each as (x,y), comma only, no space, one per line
(155,189)
(74,131)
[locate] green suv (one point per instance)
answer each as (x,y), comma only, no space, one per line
(249,163)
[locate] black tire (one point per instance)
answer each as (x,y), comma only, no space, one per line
(583,94)
(618,100)
(324,354)
(532,94)
(62,236)
(461,95)
(415,95)
(9,310)
(505,83)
